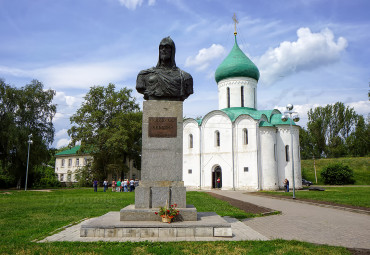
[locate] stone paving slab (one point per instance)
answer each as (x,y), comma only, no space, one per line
(72,234)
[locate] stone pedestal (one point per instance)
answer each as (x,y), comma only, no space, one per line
(162,151)
(161,161)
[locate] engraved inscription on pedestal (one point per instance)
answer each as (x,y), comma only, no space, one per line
(162,127)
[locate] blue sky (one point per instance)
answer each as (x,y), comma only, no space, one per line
(309,53)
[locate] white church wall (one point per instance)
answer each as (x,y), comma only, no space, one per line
(245,153)
(269,171)
(191,156)
(297,158)
(284,166)
(235,84)
(214,155)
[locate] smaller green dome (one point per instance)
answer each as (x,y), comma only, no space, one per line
(236,64)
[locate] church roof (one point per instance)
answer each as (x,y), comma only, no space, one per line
(236,64)
(276,120)
(273,116)
(235,112)
(265,124)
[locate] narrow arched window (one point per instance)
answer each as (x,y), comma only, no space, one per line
(255,98)
(190,141)
(228,97)
(287,152)
(242,96)
(217,138)
(245,136)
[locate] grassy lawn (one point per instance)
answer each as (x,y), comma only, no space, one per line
(356,196)
(206,203)
(26,216)
(360,167)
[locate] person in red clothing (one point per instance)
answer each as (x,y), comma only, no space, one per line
(218,182)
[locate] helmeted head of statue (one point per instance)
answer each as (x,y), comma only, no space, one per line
(167,52)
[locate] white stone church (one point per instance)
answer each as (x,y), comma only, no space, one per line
(248,149)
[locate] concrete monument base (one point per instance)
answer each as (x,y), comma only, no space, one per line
(208,224)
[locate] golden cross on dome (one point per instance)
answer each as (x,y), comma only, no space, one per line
(235,19)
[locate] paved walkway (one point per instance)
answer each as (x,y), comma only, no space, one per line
(306,222)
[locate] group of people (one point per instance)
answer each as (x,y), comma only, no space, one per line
(119,186)
(124,185)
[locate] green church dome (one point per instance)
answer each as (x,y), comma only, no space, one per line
(236,64)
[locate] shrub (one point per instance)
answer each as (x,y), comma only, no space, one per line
(337,174)
(44,177)
(6,181)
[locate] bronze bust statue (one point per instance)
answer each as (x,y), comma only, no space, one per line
(165,81)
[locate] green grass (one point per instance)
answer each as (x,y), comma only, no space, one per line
(360,167)
(206,203)
(356,196)
(26,216)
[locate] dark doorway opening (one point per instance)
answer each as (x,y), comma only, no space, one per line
(217,173)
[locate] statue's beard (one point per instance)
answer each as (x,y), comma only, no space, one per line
(165,58)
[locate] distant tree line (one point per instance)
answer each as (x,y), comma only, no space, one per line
(108,126)
(335,131)
(24,111)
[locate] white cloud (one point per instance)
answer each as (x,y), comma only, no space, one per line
(205,56)
(361,107)
(62,99)
(84,75)
(63,142)
(58,116)
(12,71)
(310,51)
(131,4)
(61,133)
(78,75)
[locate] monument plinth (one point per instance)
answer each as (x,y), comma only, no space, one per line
(161,167)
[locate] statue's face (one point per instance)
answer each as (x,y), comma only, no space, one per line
(165,52)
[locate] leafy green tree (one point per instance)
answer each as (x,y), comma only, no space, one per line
(108,125)
(317,129)
(329,128)
(24,111)
(359,141)
(84,176)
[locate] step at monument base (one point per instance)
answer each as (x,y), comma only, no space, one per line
(130,213)
(208,224)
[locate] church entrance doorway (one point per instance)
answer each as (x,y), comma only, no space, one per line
(217,178)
